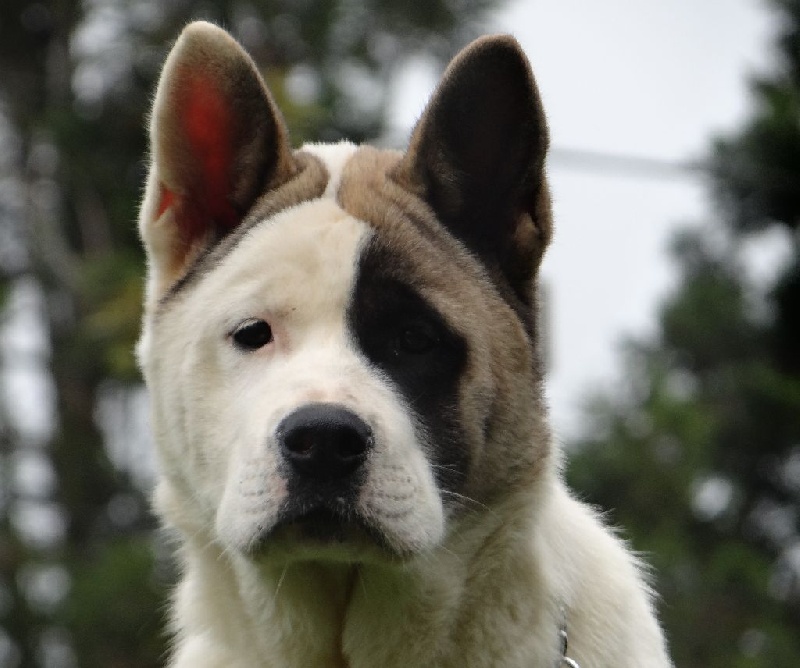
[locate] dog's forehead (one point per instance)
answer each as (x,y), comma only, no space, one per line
(334,157)
(320,236)
(345,213)
(296,270)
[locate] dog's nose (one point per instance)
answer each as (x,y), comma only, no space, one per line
(324,441)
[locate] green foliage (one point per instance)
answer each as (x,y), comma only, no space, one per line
(757,175)
(758,171)
(695,456)
(116,610)
(114,285)
(679,460)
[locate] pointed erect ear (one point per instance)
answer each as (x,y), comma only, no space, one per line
(477,157)
(217,142)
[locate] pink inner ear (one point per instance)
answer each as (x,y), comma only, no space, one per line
(207,120)
(166,201)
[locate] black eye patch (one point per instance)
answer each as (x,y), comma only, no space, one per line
(405,337)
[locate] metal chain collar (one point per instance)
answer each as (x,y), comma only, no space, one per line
(564,660)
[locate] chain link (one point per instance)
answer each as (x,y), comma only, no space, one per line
(564,660)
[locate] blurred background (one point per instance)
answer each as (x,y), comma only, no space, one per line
(672,289)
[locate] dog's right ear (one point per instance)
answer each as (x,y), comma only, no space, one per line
(217,142)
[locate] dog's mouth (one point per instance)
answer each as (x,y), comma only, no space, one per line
(322,532)
(322,525)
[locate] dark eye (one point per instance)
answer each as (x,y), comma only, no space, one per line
(252,335)
(416,338)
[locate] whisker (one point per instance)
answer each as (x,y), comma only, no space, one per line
(468,501)
(362,583)
(280,583)
(446,467)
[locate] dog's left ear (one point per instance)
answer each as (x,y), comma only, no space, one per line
(477,157)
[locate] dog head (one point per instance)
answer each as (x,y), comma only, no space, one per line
(340,342)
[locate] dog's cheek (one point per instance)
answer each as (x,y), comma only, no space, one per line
(400,493)
(499,400)
(197,418)
(252,497)
(252,474)
(185,490)
(516,438)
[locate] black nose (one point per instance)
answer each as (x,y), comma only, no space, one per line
(324,441)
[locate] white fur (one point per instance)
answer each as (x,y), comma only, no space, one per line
(484,591)
(334,157)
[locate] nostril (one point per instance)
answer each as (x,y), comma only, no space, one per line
(299,442)
(351,444)
(324,441)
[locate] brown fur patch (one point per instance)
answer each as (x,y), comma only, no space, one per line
(500,400)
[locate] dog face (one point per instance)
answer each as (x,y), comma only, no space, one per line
(340,342)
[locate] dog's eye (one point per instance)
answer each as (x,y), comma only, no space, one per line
(416,338)
(252,335)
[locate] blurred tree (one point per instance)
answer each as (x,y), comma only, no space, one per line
(699,456)
(77,578)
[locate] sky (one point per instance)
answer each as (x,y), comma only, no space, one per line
(641,78)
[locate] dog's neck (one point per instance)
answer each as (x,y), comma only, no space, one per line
(432,611)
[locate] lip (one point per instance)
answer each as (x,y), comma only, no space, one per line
(324,533)
(322,525)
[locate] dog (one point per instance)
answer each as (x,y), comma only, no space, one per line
(341,346)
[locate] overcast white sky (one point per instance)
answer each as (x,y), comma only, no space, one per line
(650,78)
